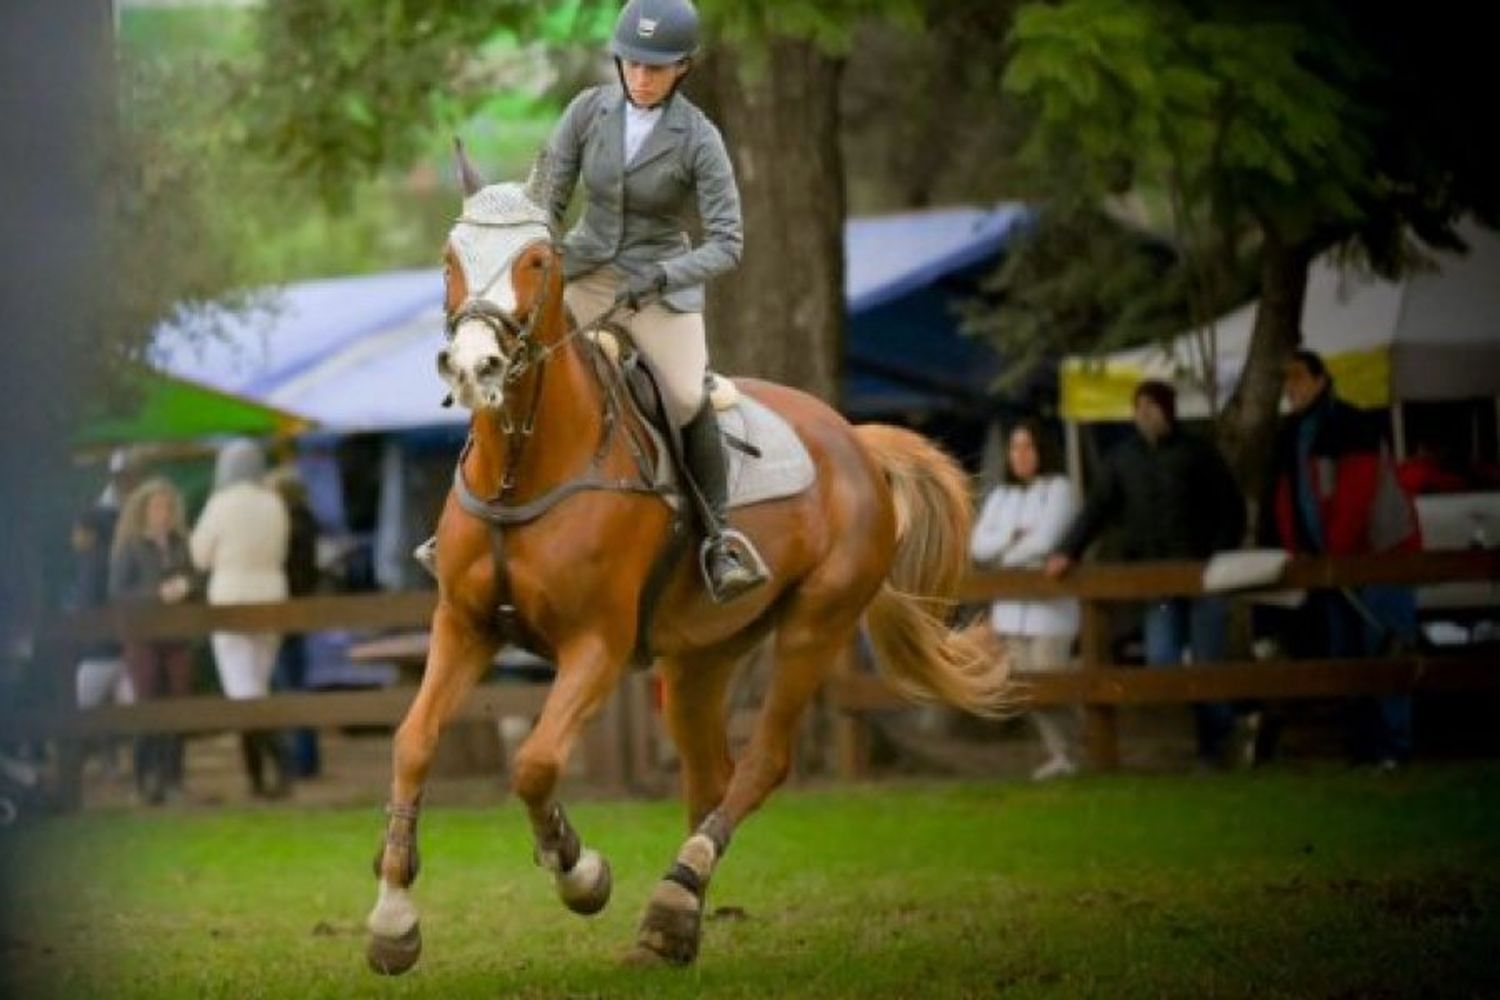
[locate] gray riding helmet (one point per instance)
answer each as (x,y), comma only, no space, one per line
(656,32)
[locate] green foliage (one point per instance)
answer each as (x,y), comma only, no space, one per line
(1313,123)
(1236,112)
(1079,281)
(345,87)
(830,24)
(922,122)
(171,231)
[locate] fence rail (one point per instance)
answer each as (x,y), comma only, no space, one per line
(1101,686)
(1098,685)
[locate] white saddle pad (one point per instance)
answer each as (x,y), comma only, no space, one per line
(784,467)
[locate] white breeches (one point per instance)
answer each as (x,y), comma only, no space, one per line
(675,343)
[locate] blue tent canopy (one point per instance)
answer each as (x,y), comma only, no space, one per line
(906,275)
(356,354)
(351,353)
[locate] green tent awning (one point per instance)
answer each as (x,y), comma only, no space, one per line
(168,408)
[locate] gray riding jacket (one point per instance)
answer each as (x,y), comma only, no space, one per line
(633,215)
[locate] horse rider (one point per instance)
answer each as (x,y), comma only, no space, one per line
(643,150)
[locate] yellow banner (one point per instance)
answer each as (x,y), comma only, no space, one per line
(1097,391)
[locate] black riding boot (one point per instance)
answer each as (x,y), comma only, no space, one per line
(730,563)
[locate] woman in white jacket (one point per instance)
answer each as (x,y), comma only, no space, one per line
(1023,521)
(240,541)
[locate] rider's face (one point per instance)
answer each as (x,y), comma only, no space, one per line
(649,85)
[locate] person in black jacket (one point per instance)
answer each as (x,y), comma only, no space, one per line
(149,564)
(1172,496)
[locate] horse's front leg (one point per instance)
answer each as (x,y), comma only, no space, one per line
(587,671)
(460,653)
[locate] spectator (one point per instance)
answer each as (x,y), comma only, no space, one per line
(1021,522)
(1335,492)
(149,564)
(241,542)
(1173,497)
(302,580)
(100,675)
(124,476)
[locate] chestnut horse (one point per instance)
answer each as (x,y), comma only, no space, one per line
(880,538)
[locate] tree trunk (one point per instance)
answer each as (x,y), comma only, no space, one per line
(1248,425)
(780,314)
(54,277)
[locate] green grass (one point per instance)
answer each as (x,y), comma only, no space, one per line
(1319,884)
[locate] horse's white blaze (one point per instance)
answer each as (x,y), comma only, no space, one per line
(584,876)
(502,291)
(394,912)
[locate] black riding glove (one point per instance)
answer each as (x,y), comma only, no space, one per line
(641,288)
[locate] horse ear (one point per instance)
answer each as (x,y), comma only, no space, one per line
(538,182)
(468,176)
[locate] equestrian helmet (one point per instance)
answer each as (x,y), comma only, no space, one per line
(656,32)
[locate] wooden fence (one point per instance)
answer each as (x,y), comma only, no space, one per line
(1101,686)
(618,747)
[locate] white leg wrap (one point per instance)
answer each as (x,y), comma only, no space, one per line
(583,878)
(394,912)
(550,861)
(699,854)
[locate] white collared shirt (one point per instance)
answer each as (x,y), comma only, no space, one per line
(638,124)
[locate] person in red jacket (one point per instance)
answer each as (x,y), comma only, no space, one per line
(1335,492)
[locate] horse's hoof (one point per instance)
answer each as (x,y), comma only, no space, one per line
(586,888)
(671,927)
(391,956)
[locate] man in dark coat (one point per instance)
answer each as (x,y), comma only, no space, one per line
(1172,496)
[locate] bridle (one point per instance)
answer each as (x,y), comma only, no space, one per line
(515,340)
(522,353)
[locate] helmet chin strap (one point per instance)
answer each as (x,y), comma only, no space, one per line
(620,72)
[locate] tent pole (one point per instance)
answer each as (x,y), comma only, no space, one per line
(1075,449)
(1495,456)
(1398,430)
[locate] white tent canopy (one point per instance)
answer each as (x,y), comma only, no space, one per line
(1432,335)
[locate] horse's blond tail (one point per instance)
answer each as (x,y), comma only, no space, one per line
(918,653)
